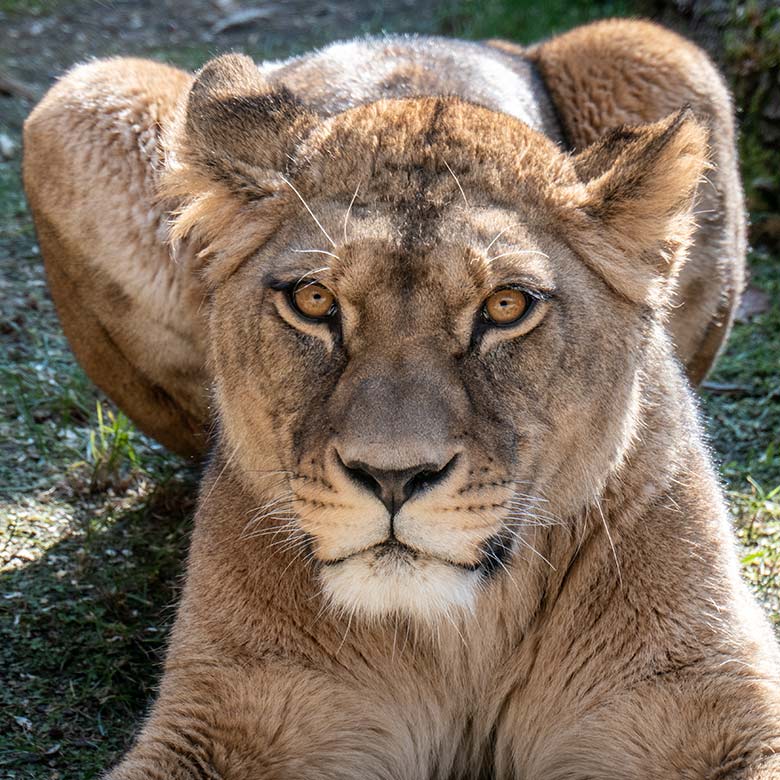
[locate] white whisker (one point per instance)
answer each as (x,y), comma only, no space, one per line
(447,615)
(501,233)
(463,194)
(292,561)
(306,205)
(535,551)
(316,252)
(611,543)
(349,625)
(520,252)
(314,271)
(219,476)
(349,211)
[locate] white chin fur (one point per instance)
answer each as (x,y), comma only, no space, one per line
(425,589)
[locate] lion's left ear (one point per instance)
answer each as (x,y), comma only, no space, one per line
(632,219)
(238,127)
(226,151)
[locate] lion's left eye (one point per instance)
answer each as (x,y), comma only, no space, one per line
(507,306)
(314,301)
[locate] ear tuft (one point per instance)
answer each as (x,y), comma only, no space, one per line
(634,205)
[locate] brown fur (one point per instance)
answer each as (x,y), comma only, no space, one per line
(130,313)
(101,125)
(616,73)
(556,593)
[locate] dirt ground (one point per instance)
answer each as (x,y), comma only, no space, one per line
(38,47)
(94,518)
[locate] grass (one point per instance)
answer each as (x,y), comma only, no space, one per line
(94,517)
(28,7)
(82,628)
(93,528)
(525,21)
(745,431)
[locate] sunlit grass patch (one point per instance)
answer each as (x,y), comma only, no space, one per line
(744,425)
(84,612)
(29,527)
(757,518)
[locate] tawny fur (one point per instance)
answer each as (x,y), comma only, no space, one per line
(94,142)
(658,73)
(563,601)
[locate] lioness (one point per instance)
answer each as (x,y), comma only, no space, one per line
(458,521)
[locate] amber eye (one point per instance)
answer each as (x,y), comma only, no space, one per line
(507,306)
(314,301)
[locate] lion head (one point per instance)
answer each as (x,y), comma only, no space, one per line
(429,325)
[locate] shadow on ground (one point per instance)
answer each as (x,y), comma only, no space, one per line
(82,632)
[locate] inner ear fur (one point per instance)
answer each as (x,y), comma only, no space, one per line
(232,139)
(632,217)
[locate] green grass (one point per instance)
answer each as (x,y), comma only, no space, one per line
(745,425)
(28,7)
(82,629)
(526,21)
(745,431)
(94,517)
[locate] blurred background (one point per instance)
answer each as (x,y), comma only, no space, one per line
(94,518)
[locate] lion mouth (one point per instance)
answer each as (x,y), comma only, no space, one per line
(494,550)
(394,550)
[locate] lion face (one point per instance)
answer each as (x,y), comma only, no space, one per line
(421,362)
(421,437)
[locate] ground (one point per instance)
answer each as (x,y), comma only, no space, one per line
(94,518)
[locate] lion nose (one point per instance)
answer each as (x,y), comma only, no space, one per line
(394,487)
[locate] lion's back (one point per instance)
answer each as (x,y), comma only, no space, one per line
(350,73)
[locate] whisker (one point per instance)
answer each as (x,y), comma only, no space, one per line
(306,205)
(219,476)
(611,543)
(289,525)
(316,252)
(520,252)
(292,561)
(281,513)
(285,514)
(295,539)
(299,284)
(349,625)
(463,194)
(349,211)
(532,514)
(535,551)
(447,615)
(501,233)
(274,501)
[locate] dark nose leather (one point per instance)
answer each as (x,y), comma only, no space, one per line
(394,488)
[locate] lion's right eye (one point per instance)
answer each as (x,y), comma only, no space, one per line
(314,301)
(506,306)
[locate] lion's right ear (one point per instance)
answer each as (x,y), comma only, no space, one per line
(632,218)
(225,152)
